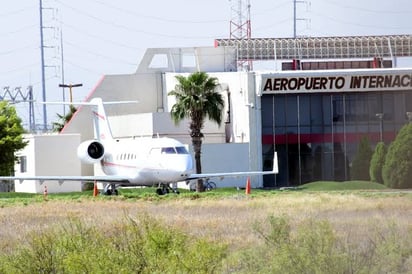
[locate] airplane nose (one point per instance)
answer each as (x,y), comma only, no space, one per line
(184,164)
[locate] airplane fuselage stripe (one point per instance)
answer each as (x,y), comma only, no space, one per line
(99,115)
(110,164)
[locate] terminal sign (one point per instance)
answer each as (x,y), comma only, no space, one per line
(345,83)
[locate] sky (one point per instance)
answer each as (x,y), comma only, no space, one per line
(99,37)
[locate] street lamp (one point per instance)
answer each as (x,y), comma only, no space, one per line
(70,86)
(380,117)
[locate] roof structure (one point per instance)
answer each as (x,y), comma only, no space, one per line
(320,47)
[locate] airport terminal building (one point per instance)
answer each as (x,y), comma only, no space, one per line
(315,119)
(330,93)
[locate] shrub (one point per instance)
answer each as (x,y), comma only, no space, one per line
(397,169)
(141,245)
(377,161)
(315,247)
(361,162)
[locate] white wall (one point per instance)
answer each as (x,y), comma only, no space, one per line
(238,83)
(161,124)
(227,158)
(188,59)
(49,155)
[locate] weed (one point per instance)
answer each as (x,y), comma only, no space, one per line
(141,245)
(315,247)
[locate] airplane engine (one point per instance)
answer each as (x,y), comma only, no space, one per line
(90,152)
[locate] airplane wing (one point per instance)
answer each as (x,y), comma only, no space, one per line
(119,179)
(221,175)
(228,174)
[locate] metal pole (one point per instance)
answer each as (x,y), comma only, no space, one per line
(43,77)
(409,115)
(380,117)
(32,119)
(299,156)
(70,86)
(294,18)
(62,64)
(344,135)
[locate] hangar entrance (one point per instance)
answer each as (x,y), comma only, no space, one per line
(316,135)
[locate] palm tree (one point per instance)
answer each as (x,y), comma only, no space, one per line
(197,99)
(64,119)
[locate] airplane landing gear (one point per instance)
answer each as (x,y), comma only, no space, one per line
(110,189)
(163,189)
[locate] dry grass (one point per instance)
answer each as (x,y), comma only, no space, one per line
(227,220)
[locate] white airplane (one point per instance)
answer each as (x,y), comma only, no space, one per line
(139,161)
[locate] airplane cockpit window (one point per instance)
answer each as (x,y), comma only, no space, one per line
(181,150)
(168,150)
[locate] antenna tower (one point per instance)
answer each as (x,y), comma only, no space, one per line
(19,95)
(296,19)
(48,59)
(240,26)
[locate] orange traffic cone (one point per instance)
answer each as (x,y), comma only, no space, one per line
(95,190)
(45,193)
(247,186)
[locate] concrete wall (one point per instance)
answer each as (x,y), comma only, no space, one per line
(189,59)
(49,155)
(238,84)
(161,124)
(227,158)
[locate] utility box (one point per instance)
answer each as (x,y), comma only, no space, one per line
(49,155)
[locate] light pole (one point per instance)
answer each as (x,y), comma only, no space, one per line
(70,86)
(409,115)
(380,117)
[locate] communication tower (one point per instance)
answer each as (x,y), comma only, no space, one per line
(240,27)
(20,95)
(49,50)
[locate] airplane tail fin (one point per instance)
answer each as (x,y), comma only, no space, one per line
(101,124)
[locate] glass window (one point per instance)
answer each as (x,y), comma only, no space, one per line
(23,164)
(337,105)
(181,150)
(374,105)
(267,114)
(388,106)
(168,150)
(408,101)
(291,110)
(280,110)
(304,110)
(316,110)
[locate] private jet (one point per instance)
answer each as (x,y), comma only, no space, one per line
(139,161)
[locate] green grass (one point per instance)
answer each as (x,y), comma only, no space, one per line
(348,185)
(321,227)
(10,198)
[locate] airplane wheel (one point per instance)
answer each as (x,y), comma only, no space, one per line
(159,191)
(110,189)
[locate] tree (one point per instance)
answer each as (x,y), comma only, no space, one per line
(197,99)
(361,162)
(397,170)
(64,119)
(377,161)
(11,138)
